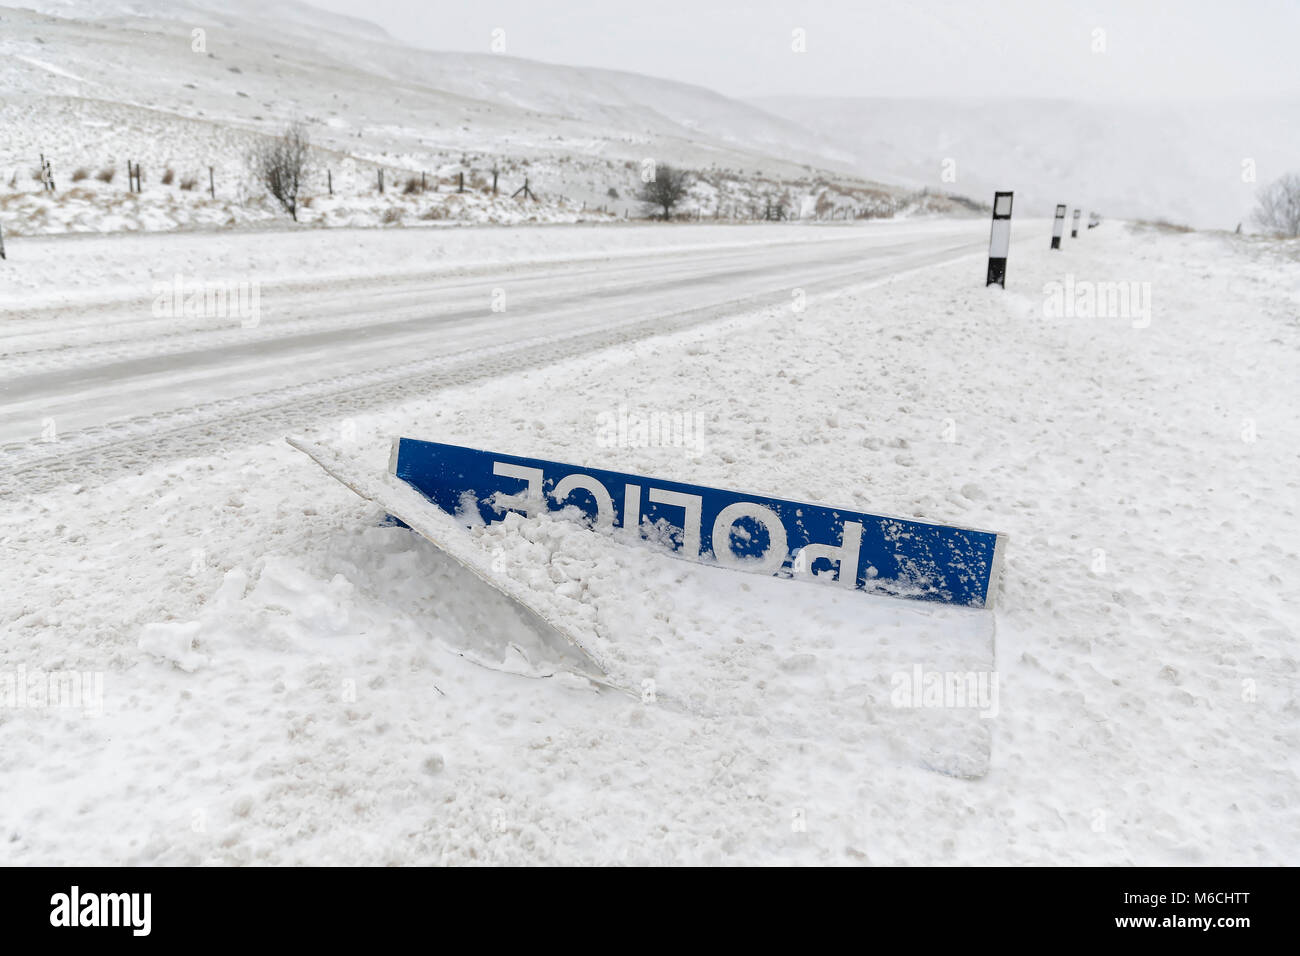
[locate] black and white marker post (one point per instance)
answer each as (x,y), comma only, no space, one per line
(1074,226)
(1058,226)
(999,239)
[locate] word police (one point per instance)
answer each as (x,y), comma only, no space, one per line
(892,556)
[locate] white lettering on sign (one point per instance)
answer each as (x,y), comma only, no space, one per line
(604,503)
(693,506)
(632,506)
(530,501)
(772,559)
(846,554)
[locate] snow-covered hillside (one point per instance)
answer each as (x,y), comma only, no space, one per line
(132,81)
(1193,162)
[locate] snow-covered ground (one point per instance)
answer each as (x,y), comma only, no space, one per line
(275,676)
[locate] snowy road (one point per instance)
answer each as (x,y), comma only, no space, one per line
(118,381)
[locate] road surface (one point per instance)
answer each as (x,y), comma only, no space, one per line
(112,382)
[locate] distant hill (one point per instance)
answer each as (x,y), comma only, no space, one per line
(1182,161)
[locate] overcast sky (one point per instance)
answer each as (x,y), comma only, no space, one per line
(1146,48)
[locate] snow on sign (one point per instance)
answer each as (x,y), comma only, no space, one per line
(882,555)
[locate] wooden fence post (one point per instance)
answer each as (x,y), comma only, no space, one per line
(329,180)
(212,183)
(381,182)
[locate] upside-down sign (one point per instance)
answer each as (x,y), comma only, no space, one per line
(893,556)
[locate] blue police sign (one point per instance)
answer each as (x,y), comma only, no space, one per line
(880,555)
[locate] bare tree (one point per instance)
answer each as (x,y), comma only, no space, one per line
(666,189)
(1277,206)
(281,164)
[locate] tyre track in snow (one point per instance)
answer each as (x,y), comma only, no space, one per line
(101,452)
(50,329)
(313,316)
(131,331)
